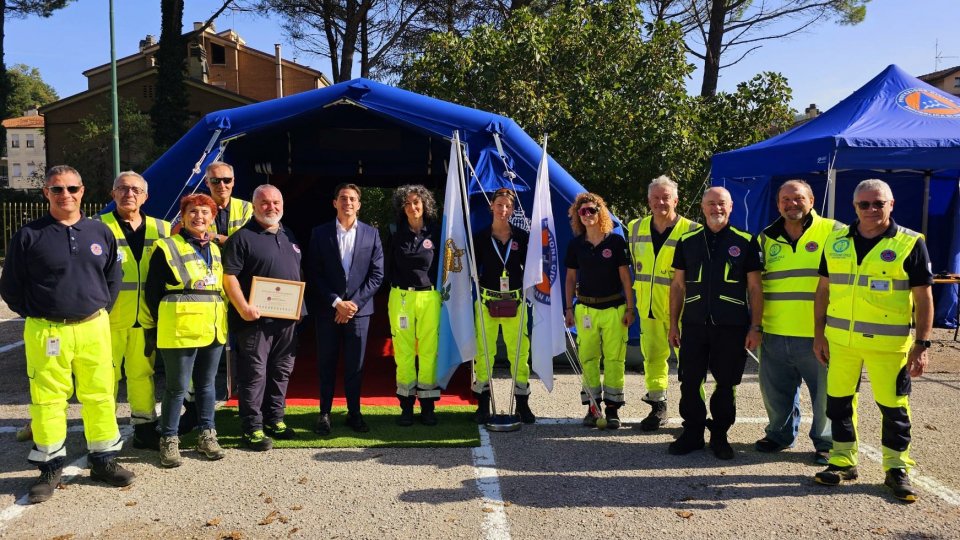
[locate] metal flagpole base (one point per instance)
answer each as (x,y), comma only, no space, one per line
(504,422)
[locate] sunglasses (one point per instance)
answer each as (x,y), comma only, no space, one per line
(225,180)
(864,205)
(58,190)
(132,189)
(588,211)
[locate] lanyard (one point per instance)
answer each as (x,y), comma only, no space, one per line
(497,251)
(207,257)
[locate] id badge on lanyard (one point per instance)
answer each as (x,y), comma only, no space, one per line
(504,281)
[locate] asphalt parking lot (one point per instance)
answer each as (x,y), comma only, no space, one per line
(554,479)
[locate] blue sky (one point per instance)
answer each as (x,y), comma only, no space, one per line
(823,65)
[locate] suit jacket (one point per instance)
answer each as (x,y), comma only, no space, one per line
(325,276)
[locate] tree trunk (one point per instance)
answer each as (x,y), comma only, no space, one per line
(364,46)
(711,64)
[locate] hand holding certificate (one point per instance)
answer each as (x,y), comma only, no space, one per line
(276,298)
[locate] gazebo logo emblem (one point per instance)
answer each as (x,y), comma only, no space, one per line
(927,103)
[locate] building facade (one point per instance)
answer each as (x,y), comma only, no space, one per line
(25,159)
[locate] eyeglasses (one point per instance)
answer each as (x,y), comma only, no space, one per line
(132,189)
(226,180)
(864,205)
(588,211)
(58,190)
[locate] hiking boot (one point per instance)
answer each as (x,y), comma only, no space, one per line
(110,472)
(257,441)
(898,481)
(188,420)
(208,446)
(523,409)
(657,417)
(821,457)
(482,416)
(146,437)
(280,430)
(686,443)
(720,446)
(590,420)
(613,417)
(834,474)
(49,479)
(170,452)
(428,415)
(767,445)
(25,434)
(406,411)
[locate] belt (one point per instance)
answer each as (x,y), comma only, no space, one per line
(427,288)
(490,294)
(88,318)
(598,299)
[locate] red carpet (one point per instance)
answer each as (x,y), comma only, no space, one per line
(379,369)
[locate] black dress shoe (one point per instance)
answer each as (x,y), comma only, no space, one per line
(356,423)
(323,424)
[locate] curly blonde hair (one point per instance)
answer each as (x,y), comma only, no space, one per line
(606,224)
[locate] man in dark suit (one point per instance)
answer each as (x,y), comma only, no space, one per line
(344,271)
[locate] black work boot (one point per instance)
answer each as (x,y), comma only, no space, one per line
(50,474)
(428,416)
(613,416)
(406,411)
(687,442)
(899,482)
(719,445)
(657,417)
(523,409)
(109,471)
(188,420)
(146,436)
(482,415)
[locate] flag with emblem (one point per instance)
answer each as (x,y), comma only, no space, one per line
(457,343)
(541,280)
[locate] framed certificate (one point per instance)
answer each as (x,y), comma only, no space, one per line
(276,298)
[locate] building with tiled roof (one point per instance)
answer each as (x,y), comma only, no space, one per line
(24,162)
(947,80)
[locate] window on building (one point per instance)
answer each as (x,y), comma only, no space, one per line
(148,91)
(14,141)
(956,82)
(30,141)
(31,169)
(15,170)
(218,55)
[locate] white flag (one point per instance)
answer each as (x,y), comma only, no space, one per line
(541,280)
(457,342)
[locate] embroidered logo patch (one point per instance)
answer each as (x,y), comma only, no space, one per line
(607,253)
(96,249)
(888,255)
(427,244)
(841,245)
(514,245)
(734,251)
(775,250)
(811,246)
(296,248)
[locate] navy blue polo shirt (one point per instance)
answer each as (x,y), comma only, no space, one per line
(61,272)
(491,254)
(598,267)
(255,251)
(411,257)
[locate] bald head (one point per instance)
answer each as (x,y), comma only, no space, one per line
(717,206)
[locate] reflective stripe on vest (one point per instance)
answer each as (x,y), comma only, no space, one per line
(129,308)
(790,279)
(652,275)
(192,313)
(871,304)
(238,215)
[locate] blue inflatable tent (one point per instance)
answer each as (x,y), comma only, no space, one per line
(358,131)
(896,128)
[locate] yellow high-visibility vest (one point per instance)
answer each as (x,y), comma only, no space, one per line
(239,214)
(193,312)
(652,274)
(870,304)
(790,278)
(129,307)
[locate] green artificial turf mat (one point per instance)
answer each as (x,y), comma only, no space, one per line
(456,428)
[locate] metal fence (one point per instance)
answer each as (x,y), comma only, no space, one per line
(18,214)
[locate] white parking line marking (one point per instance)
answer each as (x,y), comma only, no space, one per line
(6,348)
(494,526)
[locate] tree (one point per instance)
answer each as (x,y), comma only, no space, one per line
(613,102)
(714,27)
(91,148)
(18,9)
(27,90)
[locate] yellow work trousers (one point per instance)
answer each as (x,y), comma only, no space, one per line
(890,382)
(415,327)
(512,333)
(128,358)
(656,351)
(601,332)
(58,355)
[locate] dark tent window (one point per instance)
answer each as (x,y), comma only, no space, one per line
(218,54)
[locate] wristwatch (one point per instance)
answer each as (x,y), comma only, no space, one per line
(757,327)
(925,343)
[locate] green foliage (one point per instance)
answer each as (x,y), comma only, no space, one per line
(91,151)
(169,112)
(27,90)
(613,103)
